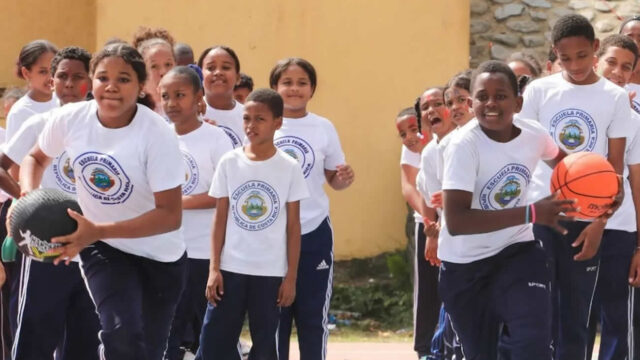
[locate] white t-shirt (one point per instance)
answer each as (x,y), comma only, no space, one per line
(625,217)
(23,109)
(59,174)
(498,175)
(408,157)
(202,150)
(228,120)
(578,118)
(119,170)
(635,102)
(256,235)
(313,141)
(427,181)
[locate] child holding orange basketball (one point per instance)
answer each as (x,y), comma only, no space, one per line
(493,272)
(582,112)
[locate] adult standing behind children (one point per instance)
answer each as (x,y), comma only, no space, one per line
(129,171)
(582,112)
(313,141)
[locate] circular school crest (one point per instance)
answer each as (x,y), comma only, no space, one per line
(192,175)
(63,173)
(103,177)
(236,141)
(504,189)
(298,149)
(255,205)
(574,130)
(635,105)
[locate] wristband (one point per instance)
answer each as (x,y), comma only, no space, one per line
(533,213)
(526,214)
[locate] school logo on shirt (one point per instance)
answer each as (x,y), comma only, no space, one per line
(192,175)
(63,172)
(103,178)
(298,149)
(255,205)
(236,141)
(635,105)
(574,130)
(503,190)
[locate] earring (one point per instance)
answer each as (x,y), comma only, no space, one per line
(142,95)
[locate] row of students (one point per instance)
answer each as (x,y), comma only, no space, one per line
(489,259)
(118,70)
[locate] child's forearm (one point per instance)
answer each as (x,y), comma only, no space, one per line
(616,149)
(634,181)
(293,239)
(198,201)
(218,233)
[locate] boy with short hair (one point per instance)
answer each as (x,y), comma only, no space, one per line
(582,112)
(256,237)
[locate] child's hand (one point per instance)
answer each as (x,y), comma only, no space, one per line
(634,270)
(431,247)
(617,200)
(436,199)
(548,212)
(86,234)
(215,287)
(345,174)
(287,292)
(3,275)
(590,239)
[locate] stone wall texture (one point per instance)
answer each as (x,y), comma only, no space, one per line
(501,27)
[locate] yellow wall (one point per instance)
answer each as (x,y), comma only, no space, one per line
(373,58)
(63,22)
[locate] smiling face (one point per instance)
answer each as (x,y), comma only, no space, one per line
(494,101)
(408,130)
(158,60)
(259,123)
(219,72)
(295,88)
(576,55)
(178,98)
(71,81)
(433,111)
(115,88)
(457,100)
(39,75)
(616,65)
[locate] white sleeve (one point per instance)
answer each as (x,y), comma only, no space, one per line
(431,173)
(460,167)
(53,137)
(334,154)
(621,115)
(219,187)
(408,157)
(633,148)
(13,125)
(164,161)
(298,186)
(24,140)
(221,147)
(530,104)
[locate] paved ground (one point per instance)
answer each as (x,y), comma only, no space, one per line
(365,351)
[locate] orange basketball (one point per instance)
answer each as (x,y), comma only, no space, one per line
(589,178)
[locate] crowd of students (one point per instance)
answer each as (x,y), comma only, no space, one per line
(202,201)
(515,277)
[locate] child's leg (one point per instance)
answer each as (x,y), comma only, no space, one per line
(162,284)
(82,323)
(551,244)
(576,282)
(222,324)
(522,299)
(42,311)
(313,292)
(264,316)
(114,285)
(438,344)
(286,323)
(613,293)
(191,308)
(466,291)
(426,302)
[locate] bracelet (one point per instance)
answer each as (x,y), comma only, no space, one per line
(533,213)
(526,214)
